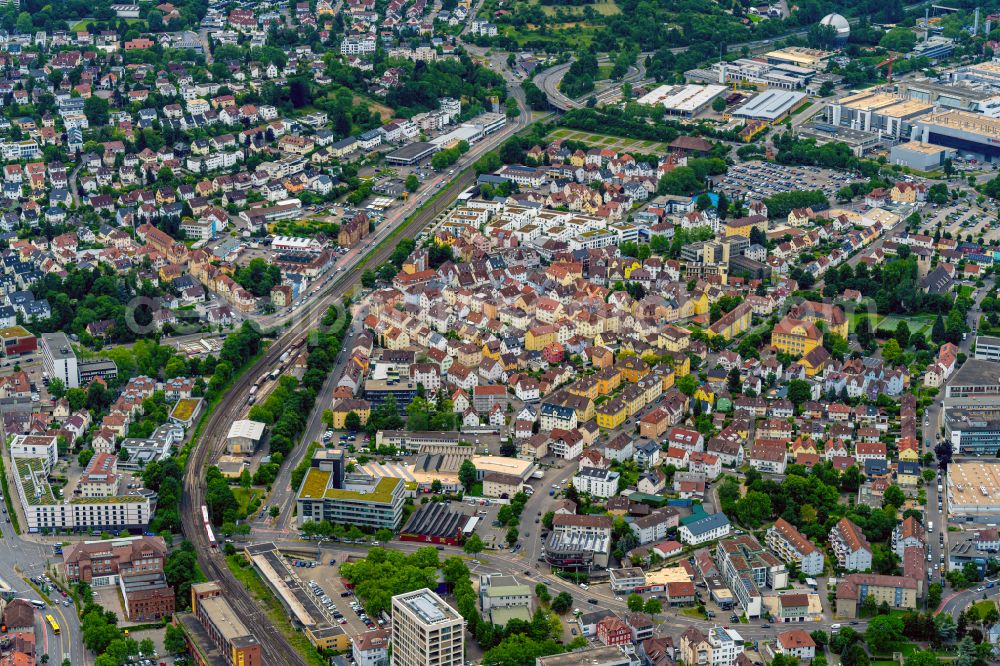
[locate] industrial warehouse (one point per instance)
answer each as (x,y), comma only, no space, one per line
(974,491)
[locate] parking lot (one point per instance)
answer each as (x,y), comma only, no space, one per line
(323,581)
(761,179)
(963,220)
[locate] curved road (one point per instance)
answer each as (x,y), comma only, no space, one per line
(548,79)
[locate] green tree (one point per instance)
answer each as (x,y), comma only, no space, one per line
(733,382)
(864,332)
(274,511)
(869,606)
(467,474)
(938,332)
(799,391)
(473,545)
(854,655)
(687,385)
(412,183)
(542,592)
(96,110)
(899,39)
(173,640)
(352,421)
(512,536)
(24,24)
(922,658)
(57,388)
(562,603)
(903,334)
(891,351)
(893,496)
(883,632)
(652,606)
(754,508)
(146,647)
(718,104)
(635,603)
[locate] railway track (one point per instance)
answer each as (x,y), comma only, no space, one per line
(275,647)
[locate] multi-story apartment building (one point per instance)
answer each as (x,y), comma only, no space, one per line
(718,648)
(909,533)
(792,546)
(426,631)
(45,447)
(371,648)
(897,591)
(59,359)
(769,455)
(712,526)
(746,567)
(46,513)
(850,546)
(502,598)
(654,527)
(597,482)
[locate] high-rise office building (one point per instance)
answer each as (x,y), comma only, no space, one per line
(426,631)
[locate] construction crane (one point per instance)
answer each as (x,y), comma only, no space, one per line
(888,61)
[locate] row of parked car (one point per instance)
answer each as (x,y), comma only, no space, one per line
(363,616)
(47,586)
(326,601)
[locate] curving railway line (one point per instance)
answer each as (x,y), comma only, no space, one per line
(275,647)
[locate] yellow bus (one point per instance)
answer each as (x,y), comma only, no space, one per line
(52,623)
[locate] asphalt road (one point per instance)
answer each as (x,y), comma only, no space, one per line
(21,558)
(672,622)
(933,422)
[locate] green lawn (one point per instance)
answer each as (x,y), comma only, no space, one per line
(572,36)
(602,7)
(921,324)
(620,144)
(83,24)
(966,290)
(246,495)
(802,108)
(984,606)
(604,72)
(856,318)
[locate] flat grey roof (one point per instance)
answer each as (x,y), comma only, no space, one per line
(58,345)
(825,132)
(412,151)
(770,104)
(977,372)
(987,339)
